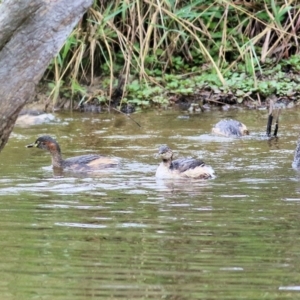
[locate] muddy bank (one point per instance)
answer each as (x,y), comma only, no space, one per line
(200,101)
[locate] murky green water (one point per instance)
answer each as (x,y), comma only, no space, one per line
(124,235)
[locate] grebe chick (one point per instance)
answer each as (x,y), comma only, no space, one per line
(181,167)
(83,163)
(33,117)
(230,128)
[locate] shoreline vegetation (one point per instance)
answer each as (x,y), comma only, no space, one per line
(132,55)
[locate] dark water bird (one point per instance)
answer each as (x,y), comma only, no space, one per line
(234,128)
(230,128)
(83,163)
(181,167)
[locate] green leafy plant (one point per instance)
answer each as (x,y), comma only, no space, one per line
(167,43)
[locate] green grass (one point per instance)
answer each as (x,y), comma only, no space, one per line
(165,49)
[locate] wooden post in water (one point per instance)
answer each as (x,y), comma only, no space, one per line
(274,112)
(270,118)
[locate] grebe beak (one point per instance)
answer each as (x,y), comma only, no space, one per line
(31,145)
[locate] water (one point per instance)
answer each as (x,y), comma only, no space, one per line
(125,235)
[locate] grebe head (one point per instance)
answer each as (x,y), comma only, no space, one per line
(165,152)
(47,143)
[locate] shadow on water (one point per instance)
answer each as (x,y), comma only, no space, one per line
(122,234)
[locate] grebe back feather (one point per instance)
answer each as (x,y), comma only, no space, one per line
(181,167)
